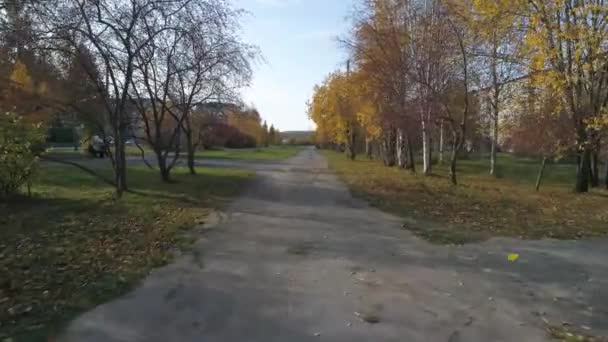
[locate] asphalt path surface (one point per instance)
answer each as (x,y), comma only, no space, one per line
(297,258)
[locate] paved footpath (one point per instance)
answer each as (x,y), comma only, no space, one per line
(297,258)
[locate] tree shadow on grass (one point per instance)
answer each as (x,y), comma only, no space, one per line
(22,215)
(210,186)
(63,192)
(212,182)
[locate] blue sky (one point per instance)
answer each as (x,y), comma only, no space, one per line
(298,41)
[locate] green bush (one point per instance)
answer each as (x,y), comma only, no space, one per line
(18,160)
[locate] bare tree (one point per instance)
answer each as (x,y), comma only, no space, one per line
(154,72)
(213,65)
(498,50)
(456,69)
(501,72)
(426,32)
(112,30)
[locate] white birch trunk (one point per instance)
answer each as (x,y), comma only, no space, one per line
(426,148)
(401,149)
(494,146)
(441,143)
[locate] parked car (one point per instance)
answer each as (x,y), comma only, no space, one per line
(98,147)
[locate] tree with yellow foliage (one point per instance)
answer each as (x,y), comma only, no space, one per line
(249,122)
(317,112)
(27,96)
(366,112)
(343,109)
(333,109)
(421,65)
(21,77)
(566,41)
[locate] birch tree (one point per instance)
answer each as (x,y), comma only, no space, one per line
(497,48)
(215,63)
(567,42)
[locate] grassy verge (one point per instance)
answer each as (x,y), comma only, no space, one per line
(264,153)
(251,154)
(481,206)
(72,246)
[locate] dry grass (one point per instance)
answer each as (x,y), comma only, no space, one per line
(481,206)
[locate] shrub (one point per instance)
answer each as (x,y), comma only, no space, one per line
(222,134)
(19,143)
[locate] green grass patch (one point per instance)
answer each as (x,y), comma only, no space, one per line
(263,153)
(516,169)
(481,206)
(248,154)
(73,246)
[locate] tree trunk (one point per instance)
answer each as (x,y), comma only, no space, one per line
(494,145)
(401,149)
(431,150)
(494,107)
(190,152)
(453,178)
(162,166)
(441,143)
(388,147)
(120,164)
(191,163)
(595,170)
(368,148)
(541,172)
(165,175)
(350,144)
(583,161)
(426,155)
(410,151)
(606,175)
